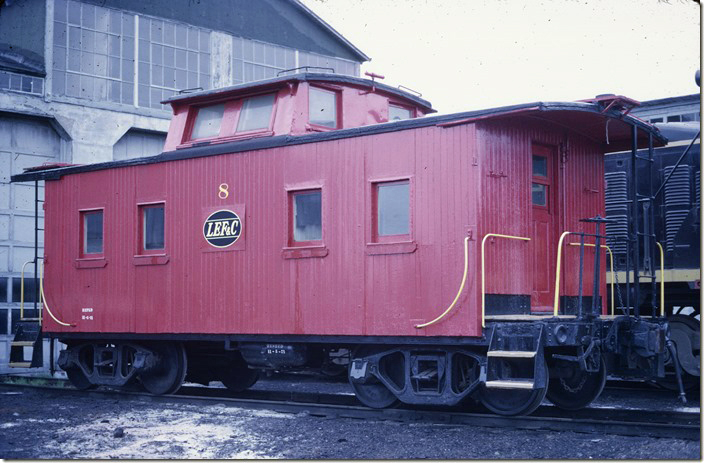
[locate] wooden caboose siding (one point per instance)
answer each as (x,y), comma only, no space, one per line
(356,289)
(505,155)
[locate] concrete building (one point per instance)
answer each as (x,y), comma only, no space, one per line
(81,81)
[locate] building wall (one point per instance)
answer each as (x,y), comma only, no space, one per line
(85,80)
(675,109)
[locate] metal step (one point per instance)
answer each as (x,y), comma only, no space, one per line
(19,364)
(22,343)
(426,375)
(525,354)
(509,384)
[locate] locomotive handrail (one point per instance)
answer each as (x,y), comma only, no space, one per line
(43,298)
(39,318)
(613,276)
(556,304)
(662,280)
(492,235)
(464,280)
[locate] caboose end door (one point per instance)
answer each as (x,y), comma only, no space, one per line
(545,222)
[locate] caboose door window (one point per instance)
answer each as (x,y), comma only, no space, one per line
(544,225)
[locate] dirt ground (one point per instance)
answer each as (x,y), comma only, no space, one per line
(36,424)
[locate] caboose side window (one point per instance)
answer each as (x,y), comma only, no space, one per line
(399,113)
(207,121)
(152,229)
(393,208)
(256,113)
(322,107)
(92,232)
(307,223)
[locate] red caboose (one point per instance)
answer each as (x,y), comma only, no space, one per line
(317,220)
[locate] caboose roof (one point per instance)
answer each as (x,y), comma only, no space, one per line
(235,90)
(610,127)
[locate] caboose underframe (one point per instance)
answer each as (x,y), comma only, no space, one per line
(382,370)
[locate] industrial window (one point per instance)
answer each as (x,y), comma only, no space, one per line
(392,208)
(690,117)
(306,213)
(207,121)
(152,227)
(322,107)
(255,60)
(30,289)
(399,113)
(256,113)
(104,54)
(92,233)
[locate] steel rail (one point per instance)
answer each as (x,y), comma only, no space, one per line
(678,425)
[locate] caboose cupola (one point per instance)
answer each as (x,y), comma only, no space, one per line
(295,104)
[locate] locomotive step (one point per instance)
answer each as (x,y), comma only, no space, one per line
(524,354)
(19,364)
(22,343)
(509,384)
(430,373)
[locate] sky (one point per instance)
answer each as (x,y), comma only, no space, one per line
(473,54)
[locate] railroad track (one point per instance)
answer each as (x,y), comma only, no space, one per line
(645,423)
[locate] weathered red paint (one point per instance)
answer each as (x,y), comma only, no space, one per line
(470,178)
(357,106)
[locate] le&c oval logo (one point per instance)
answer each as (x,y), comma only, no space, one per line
(222,228)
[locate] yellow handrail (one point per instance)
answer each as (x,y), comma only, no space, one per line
(41,292)
(22,291)
(613,275)
(489,235)
(464,280)
(662,280)
(557,272)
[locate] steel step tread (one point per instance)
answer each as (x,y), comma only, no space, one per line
(21,343)
(511,353)
(510,384)
(20,364)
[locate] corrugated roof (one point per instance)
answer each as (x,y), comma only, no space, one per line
(300,77)
(588,119)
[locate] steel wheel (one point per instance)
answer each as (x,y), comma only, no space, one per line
(373,393)
(684,332)
(578,389)
(79,380)
(512,402)
(237,377)
(169,372)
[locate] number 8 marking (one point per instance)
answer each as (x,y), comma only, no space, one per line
(222,191)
